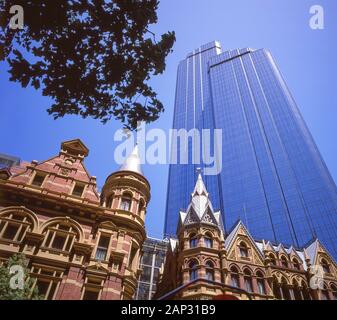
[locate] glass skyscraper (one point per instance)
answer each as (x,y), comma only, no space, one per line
(273,177)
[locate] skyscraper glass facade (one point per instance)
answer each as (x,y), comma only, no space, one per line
(273,177)
(7,161)
(153,256)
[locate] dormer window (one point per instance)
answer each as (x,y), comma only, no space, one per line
(296,264)
(284,262)
(243,250)
(325,266)
(78,190)
(38,179)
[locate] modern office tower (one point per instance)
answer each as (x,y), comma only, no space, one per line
(153,257)
(273,177)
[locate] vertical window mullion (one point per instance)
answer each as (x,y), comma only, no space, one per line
(4,229)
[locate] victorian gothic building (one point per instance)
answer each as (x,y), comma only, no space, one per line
(80,244)
(204,262)
(84,245)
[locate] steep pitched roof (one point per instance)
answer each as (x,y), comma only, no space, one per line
(233,234)
(200,209)
(313,249)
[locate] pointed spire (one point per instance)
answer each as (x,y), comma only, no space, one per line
(200,188)
(200,208)
(132,162)
(200,200)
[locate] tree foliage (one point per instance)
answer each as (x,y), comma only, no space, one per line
(93,57)
(6,290)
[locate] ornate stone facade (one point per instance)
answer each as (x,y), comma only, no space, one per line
(80,244)
(204,263)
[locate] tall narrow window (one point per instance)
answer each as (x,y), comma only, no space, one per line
(297,291)
(296,264)
(208,241)
(272,260)
(260,283)
(285,289)
(102,248)
(126,203)
(325,266)
(325,294)
(284,262)
(209,271)
(193,241)
(193,266)
(235,282)
(334,291)
(109,201)
(78,190)
(243,250)
(38,179)
(248,281)
(140,207)
(132,256)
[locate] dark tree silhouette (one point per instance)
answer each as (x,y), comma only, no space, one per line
(94,57)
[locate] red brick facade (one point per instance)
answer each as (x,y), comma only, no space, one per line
(80,244)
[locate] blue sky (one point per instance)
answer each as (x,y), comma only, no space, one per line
(306,57)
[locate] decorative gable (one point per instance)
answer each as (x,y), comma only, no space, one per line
(75,147)
(191,217)
(208,217)
(239,234)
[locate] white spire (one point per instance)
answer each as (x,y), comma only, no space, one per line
(199,188)
(199,197)
(132,162)
(200,208)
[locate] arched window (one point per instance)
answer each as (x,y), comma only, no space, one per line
(14,225)
(126,202)
(296,264)
(325,266)
(325,293)
(193,241)
(272,260)
(248,281)
(334,291)
(297,291)
(208,241)
(284,262)
(305,291)
(140,207)
(276,289)
(260,283)
(235,280)
(108,203)
(193,266)
(243,250)
(60,236)
(209,271)
(285,289)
